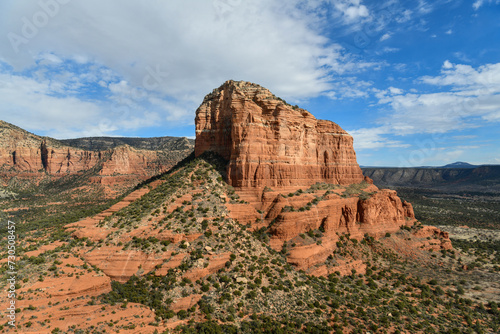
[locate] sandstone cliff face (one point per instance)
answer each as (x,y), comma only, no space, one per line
(274,153)
(270,143)
(43,157)
(24,155)
(383,212)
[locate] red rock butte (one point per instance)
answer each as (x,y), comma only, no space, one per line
(271,143)
(272,149)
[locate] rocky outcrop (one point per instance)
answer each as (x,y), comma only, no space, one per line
(275,152)
(382,212)
(384,206)
(270,143)
(46,158)
(25,155)
(69,299)
(120,264)
(435,239)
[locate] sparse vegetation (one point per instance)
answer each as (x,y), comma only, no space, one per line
(232,281)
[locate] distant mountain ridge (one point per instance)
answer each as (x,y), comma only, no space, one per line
(457,164)
(460,164)
(447,178)
(166,143)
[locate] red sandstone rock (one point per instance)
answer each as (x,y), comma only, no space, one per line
(62,302)
(270,143)
(408,209)
(381,213)
(368,180)
(215,262)
(439,239)
(185,302)
(382,207)
(271,148)
(27,156)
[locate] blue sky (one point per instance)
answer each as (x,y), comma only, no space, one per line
(415,82)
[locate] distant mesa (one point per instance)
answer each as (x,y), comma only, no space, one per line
(451,178)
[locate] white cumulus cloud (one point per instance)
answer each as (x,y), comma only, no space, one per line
(479,3)
(470,96)
(167,54)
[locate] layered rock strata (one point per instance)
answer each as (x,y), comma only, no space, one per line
(275,153)
(26,156)
(270,143)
